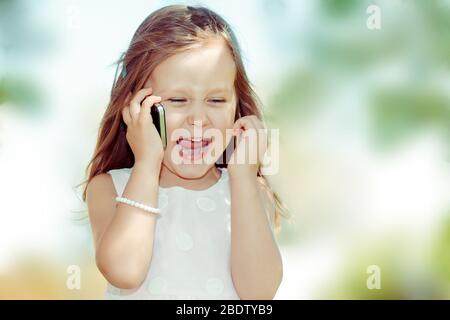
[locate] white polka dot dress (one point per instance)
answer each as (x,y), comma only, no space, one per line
(191,249)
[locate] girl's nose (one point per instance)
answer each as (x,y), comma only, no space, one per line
(197,115)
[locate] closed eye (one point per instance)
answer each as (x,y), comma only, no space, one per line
(177,100)
(184,100)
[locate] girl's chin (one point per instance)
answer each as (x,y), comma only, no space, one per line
(190,163)
(191,171)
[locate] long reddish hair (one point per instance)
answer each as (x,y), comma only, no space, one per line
(165,32)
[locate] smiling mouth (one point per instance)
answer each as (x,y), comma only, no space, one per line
(193,148)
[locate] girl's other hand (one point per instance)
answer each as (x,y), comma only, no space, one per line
(142,135)
(250,147)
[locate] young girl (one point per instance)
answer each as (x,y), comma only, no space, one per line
(213,236)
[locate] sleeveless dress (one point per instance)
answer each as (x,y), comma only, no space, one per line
(191,248)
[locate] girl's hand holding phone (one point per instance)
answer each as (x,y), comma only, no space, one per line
(142,135)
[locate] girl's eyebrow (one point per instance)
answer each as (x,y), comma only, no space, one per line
(220,89)
(187,90)
(181,90)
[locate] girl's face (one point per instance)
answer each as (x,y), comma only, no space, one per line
(197,91)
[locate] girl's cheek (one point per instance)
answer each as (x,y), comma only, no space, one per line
(171,126)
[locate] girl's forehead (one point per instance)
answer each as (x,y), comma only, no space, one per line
(210,65)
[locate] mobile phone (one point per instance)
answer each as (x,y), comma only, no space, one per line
(159,120)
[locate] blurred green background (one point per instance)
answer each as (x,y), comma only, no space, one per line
(364,120)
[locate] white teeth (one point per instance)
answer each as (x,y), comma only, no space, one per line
(194,139)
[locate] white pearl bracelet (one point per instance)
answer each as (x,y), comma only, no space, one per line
(138,205)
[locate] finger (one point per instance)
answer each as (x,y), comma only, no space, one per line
(135,104)
(241,125)
(145,109)
(261,135)
(259,128)
(126,115)
(257,124)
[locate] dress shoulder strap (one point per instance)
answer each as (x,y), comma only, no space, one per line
(120,178)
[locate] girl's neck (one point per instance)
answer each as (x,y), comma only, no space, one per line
(169,178)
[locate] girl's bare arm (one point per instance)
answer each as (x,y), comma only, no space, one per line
(123,234)
(255,259)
